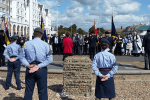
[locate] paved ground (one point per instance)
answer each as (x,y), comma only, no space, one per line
(58,64)
(119,58)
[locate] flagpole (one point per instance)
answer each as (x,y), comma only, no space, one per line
(30,21)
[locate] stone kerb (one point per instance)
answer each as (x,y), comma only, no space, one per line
(77,75)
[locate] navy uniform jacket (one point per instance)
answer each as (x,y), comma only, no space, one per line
(111,41)
(146,43)
(92,41)
(2,42)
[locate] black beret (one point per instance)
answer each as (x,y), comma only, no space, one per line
(1,31)
(14,37)
(14,32)
(130,33)
(106,32)
(148,30)
(21,35)
(38,29)
(105,40)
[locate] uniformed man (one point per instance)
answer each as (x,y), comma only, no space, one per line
(110,39)
(146,45)
(2,47)
(92,43)
(35,56)
(13,62)
(118,46)
(104,66)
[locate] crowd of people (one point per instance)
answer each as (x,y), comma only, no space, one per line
(36,54)
(89,44)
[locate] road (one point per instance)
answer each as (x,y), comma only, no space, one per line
(58,64)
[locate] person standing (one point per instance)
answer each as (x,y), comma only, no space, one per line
(56,44)
(137,45)
(75,39)
(92,43)
(2,47)
(86,39)
(13,62)
(35,56)
(21,40)
(110,39)
(118,46)
(125,41)
(67,46)
(26,38)
(80,42)
(104,66)
(146,45)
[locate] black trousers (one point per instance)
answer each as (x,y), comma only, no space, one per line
(74,49)
(147,59)
(41,78)
(92,52)
(80,48)
(13,66)
(56,49)
(2,59)
(66,55)
(85,49)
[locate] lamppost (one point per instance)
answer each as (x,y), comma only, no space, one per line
(30,20)
(57,17)
(112,9)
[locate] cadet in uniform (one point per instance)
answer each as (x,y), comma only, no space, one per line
(2,47)
(104,67)
(110,39)
(35,56)
(13,62)
(92,43)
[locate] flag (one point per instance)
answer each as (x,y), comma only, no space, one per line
(113,31)
(44,38)
(95,29)
(7,39)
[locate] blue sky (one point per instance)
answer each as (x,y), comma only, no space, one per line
(83,12)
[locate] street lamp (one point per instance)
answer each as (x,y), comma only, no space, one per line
(57,17)
(112,9)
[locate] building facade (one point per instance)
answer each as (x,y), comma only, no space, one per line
(19,16)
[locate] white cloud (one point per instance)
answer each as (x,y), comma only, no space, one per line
(128,8)
(148,7)
(49,4)
(100,10)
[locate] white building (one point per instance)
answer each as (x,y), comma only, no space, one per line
(19,20)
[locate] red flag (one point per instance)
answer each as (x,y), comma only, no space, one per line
(95,29)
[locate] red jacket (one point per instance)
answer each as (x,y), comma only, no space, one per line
(67,44)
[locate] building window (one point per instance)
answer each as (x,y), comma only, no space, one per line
(21,5)
(11,9)
(3,9)
(18,19)
(18,11)
(18,4)
(7,11)
(25,14)
(7,3)
(21,12)
(0,8)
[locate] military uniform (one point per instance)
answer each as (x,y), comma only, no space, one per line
(92,44)
(104,63)
(36,52)
(13,49)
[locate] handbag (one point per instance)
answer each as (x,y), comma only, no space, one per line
(122,50)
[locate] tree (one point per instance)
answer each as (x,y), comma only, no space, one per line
(91,29)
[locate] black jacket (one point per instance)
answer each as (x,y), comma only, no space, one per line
(2,42)
(111,42)
(53,39)
(146,43)
(92,41)
(76,41)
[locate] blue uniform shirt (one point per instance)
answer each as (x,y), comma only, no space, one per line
(125,40)
(13,49)
(36,50)
(104,59)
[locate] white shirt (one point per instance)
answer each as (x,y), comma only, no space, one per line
(56,40)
